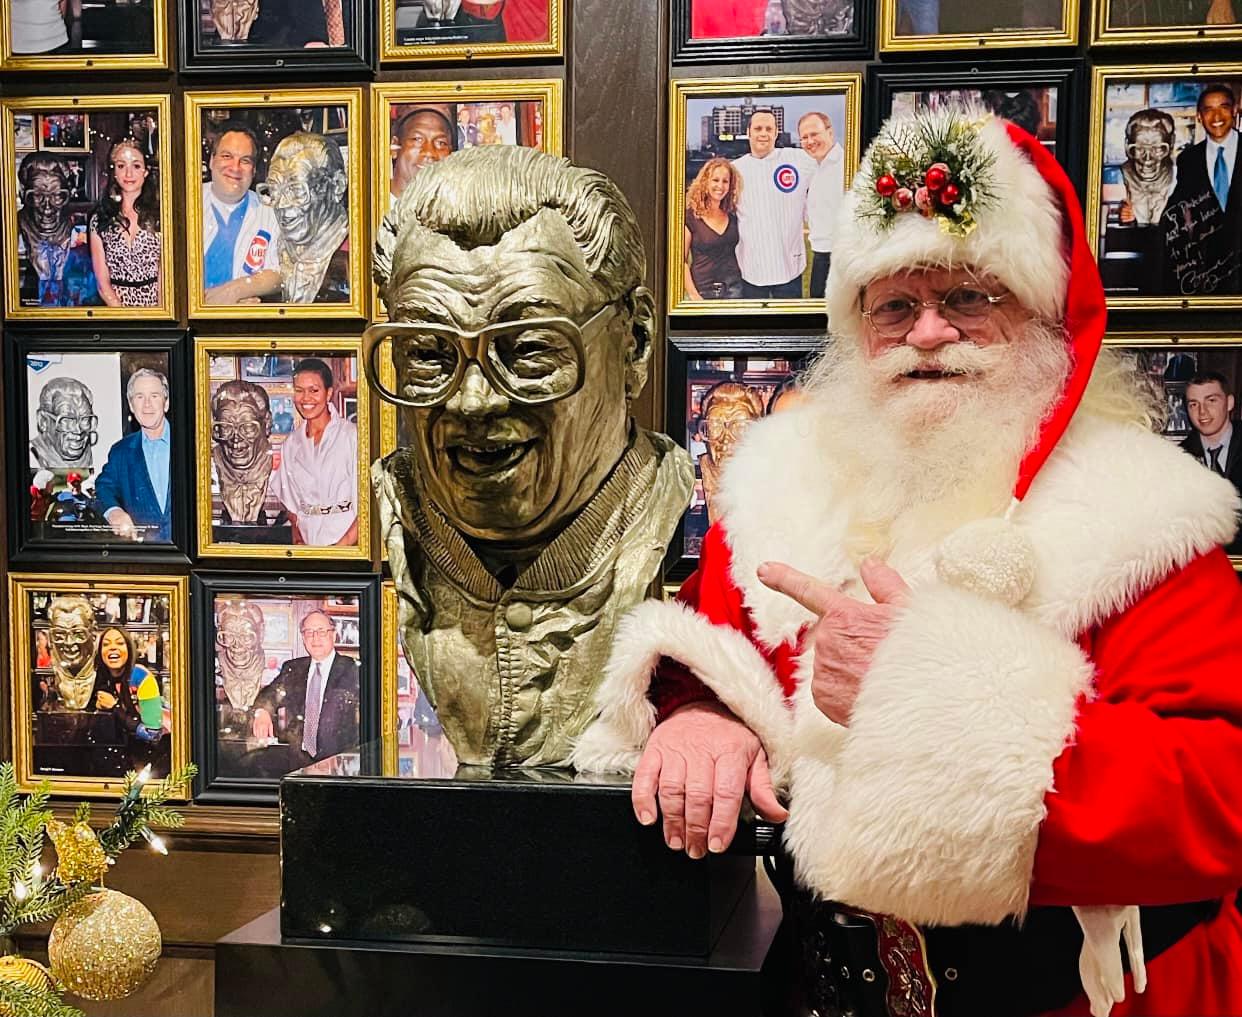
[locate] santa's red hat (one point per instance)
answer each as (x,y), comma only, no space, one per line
(964,189)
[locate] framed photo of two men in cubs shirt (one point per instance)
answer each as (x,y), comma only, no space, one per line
(758,168)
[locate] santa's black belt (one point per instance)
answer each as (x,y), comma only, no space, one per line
(860,965)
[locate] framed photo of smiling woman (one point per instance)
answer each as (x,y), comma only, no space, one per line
(274,200)
(282,445)
(86,197)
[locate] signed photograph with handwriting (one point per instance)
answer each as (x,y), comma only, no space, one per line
(1170,199)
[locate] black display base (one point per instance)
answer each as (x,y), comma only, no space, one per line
(256,975)
(527,859)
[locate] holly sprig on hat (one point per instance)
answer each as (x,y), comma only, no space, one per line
(935,166)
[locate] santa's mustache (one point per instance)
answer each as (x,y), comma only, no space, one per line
(960,359)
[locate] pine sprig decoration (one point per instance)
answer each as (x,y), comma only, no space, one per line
(25,1001)
(141,808)
(932,164)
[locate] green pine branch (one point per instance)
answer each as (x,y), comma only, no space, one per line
(141,808)
(20,1000)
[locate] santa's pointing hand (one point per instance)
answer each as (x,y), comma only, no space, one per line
(847,631)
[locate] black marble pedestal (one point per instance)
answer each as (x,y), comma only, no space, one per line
(258,975)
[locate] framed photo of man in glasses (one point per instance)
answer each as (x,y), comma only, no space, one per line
(1164,198)
(85,236)
(281,461)
(275,204)
(278,690)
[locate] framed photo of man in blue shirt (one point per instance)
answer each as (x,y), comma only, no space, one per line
(96,435)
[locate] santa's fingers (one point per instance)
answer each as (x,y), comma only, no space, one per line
(813,594)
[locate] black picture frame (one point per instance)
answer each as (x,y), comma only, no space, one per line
(29,545)
(857,45)
(356,57)
(679,561)
(1069,77)
(212,788)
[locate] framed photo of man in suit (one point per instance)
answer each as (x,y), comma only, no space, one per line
(97,436)
(1194,379)
(1164,198)
(278,689)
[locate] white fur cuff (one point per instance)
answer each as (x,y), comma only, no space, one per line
(935,799)
(719,656)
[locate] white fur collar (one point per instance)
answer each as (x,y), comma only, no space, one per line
(1113,510)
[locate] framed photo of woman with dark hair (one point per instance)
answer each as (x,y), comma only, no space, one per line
(85,234)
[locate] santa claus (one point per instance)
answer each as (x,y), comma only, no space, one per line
(970,619)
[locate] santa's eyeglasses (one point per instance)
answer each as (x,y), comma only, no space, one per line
(966,305)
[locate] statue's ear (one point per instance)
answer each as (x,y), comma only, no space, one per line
(643,336)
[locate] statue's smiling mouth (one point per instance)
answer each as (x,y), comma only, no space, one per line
(486,458)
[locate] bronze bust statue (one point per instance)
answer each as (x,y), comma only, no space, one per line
(241,426)
(529,512)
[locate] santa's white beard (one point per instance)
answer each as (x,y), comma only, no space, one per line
(930,454)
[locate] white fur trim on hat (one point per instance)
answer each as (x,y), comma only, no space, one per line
(1019,237)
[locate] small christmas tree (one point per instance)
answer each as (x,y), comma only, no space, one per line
(27,989)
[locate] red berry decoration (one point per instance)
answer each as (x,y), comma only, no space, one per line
(923,199)
(949,194)
(937,176)
(886,185)
(903,198)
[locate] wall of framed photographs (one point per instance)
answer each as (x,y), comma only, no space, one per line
(188,197)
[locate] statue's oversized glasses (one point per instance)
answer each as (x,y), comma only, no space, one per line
(529,360)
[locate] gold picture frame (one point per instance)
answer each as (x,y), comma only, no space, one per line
(205,348)
(845,86)
(549,92)
(37,107)
(87,60)
(358,238)
(390,51)
(892,41)
(23,659)
(1175,343)
(1099,218)
(425,752)
(1104,34)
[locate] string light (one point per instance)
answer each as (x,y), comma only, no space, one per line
(20,892)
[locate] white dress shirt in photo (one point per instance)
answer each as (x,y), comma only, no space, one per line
(823,199)
(319,482)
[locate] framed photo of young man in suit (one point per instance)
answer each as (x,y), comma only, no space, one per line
(278,690)
(1194,378)
(1164,195)
(98,432)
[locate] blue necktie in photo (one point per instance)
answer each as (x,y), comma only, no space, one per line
(1220,179)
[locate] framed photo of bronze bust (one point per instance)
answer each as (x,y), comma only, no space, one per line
(282,445)
(1036,95)
(274,225)
(417,124)
(932,25)
(1195,378)
(757,168)
(100,685)
(276,691)
(294,36)
(751,31)
(87,194)
(717,387)
(105,35)
(453,30)
(1164,22)
(414,743)
(1164,198)
(98,438)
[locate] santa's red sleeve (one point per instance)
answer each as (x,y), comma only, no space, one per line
(1146,806)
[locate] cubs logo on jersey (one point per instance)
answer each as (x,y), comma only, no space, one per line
(786,178)
(256,254)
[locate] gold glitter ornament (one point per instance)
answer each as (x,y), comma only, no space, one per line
(22,971)
(104,946)
(79,856)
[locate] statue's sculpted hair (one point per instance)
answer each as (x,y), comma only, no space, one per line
(475,196)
